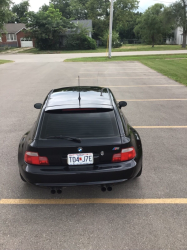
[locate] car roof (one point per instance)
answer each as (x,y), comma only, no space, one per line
(91,97)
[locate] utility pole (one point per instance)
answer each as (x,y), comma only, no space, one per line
(184,24)
(110,29)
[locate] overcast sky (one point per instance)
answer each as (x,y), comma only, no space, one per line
(144,4)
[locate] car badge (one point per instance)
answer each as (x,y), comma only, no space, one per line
(102,153)
(116,148)
(80,149)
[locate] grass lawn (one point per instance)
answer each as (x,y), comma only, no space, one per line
(124,48)
(4,61)
(172,66)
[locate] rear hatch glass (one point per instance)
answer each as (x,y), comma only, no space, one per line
(84,124)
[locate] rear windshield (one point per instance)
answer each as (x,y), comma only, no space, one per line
(82,125)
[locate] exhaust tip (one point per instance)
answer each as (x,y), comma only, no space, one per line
(53,191)
(109,188)
(59,191)
(103,188)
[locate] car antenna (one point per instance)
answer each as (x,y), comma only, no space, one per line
(102,91)
(79,98)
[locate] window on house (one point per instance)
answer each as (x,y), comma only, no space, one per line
(11,37)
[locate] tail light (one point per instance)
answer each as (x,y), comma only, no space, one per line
(125,155)
(34,159)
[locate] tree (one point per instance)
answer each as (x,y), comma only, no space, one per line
(46,27)
(127,31)
(123,12)
(79,39)
(179,12)
(98,11)
(153,25)
(5,13)
(115,39)
(44,7)
(63,6)
(19,11)
(78,10)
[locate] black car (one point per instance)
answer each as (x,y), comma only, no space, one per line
(81,137)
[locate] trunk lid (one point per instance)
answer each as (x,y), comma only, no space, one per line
(57,150)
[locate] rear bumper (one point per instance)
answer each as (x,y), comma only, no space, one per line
(51,176)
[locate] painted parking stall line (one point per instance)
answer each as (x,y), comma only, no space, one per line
(121,77)
(143,86)
(152,100)
(116,72)
(91,201)
(160,127)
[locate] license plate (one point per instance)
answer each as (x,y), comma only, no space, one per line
(80,159)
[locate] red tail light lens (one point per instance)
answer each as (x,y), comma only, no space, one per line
(34,159)
(125,155)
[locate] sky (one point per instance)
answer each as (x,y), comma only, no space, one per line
(143,5)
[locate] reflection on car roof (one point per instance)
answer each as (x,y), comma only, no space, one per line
(90,97)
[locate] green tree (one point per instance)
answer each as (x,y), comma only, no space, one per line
(123,12)
(63,6)
(19,11)
(115,39)
(154,25)
(179,13)
(44,7)
(5,13)
(75,9)
(78,9)
(98,11)
(126,32)
(79,39)
(46,27)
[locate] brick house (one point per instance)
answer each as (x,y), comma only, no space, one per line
(14,36)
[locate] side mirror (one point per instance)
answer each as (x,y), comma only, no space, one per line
(37,105)
(122,104)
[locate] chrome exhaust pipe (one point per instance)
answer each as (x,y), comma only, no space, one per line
(59,191)
(109,188)
(103,188)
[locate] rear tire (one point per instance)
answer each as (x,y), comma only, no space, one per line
(22,178)
(140,172)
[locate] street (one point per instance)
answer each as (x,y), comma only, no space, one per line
(157,108)
(61,57)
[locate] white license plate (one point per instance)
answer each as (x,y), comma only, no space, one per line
(80,159)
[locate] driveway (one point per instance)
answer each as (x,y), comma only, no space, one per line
(13,51)
(85,217)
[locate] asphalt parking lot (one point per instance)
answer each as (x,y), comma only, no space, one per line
(157,107)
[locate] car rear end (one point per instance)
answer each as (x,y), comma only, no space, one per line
(80,146)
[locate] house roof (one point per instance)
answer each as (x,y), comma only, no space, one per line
(85,23)
(13,27)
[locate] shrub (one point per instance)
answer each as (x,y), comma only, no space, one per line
(79,42)
(115,39)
